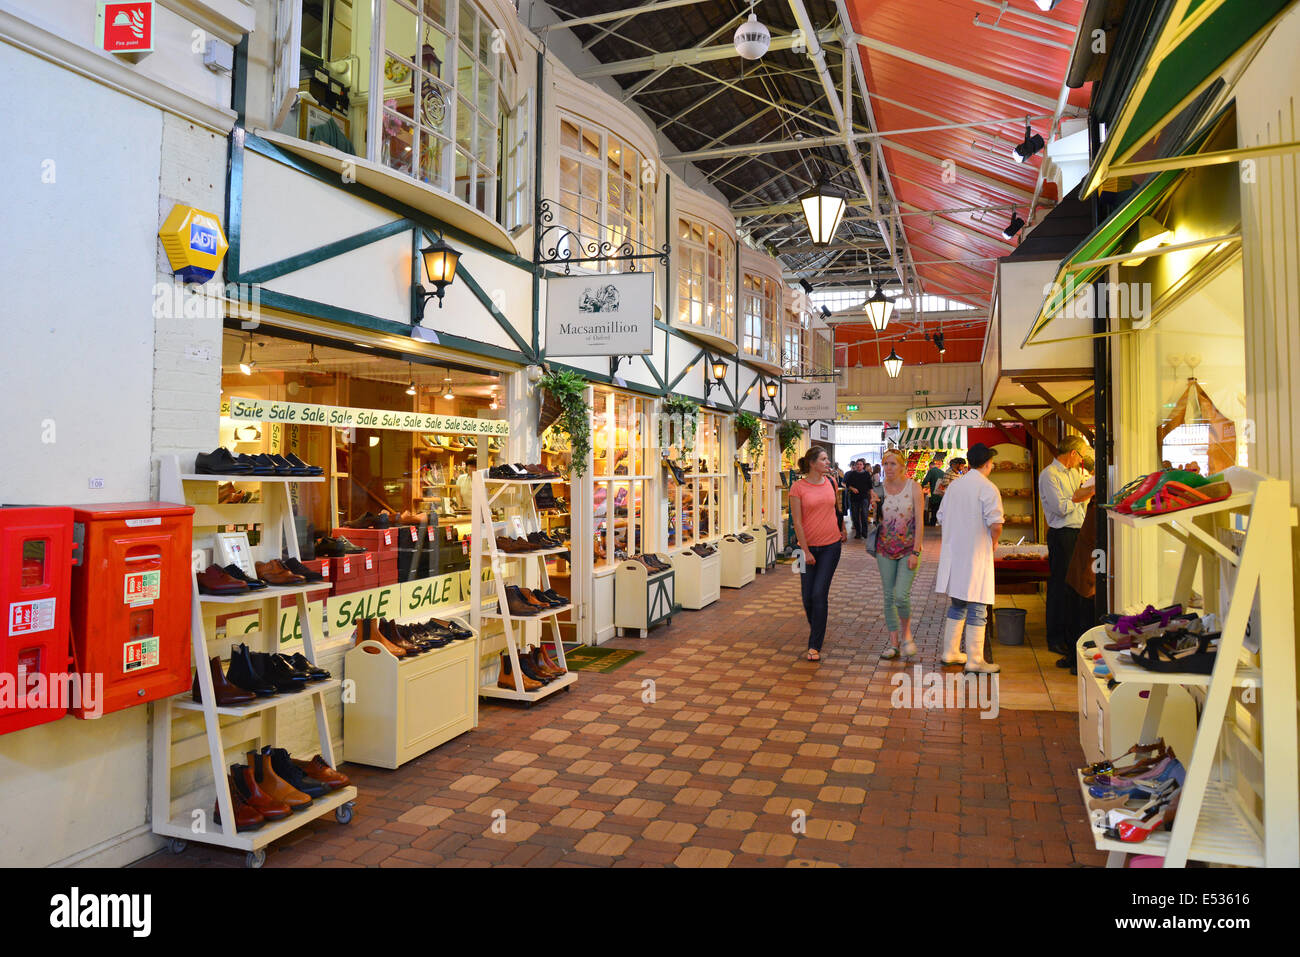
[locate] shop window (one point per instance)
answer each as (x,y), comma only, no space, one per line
(604,198)
(621,455)
(705,278)
(762,296)
(445,101)
(695,505)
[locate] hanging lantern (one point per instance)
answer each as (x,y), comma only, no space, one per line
(752,39)
(893,363)
(879,308)
(823,208)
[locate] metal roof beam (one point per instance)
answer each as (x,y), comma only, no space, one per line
(973,175)
(675,58)
(646,81)
(654,6)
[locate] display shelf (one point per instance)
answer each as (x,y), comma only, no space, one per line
(536,481)
(263,594)
(181,829)
(540,553)
(509,694)
(540,616)
(1247,676)
(198,477)
(1224,834)
(184,702)
(1235,502)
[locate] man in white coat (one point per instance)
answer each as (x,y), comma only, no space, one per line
(971,516)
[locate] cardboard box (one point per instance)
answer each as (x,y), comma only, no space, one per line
(345,573)
(369,563)
(321,566)
(378,540)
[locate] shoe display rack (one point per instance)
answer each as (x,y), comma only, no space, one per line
(513,498)
(404,707)
(186,817)
(738,563)
(764,548)
(1012,474)
(1239,802)
(1111,713)
(699,578)
(642,598)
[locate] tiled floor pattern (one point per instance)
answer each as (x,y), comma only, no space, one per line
(722,747)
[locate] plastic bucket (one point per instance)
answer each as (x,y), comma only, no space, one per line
(1010,624)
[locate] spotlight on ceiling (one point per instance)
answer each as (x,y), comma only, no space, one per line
(893,363)
(1033,144)
(939,343)
(806,286)
(410,388)
(879,308)
(246,362)
(826,313)
(1013,227)
(447,393)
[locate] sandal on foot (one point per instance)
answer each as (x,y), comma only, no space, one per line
(909,649)
(814,655)
(890,653)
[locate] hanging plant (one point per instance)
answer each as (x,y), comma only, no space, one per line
(564,406)
(688,413)
(789,435)
(750,433)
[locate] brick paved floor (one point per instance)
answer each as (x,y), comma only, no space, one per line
(746,756)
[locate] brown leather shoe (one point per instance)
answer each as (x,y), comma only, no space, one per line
(507,680)
(247,817)
(390,631)
(518,605)
(213,580)
(226,693)
(318,770)
(274,573)
(544,654)
(368,630)
(274,785)
(540,665)
(267,806)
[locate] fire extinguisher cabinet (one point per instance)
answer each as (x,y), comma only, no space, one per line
(131,597)
(35,568)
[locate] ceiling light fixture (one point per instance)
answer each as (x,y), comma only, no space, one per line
(448,394)
(246,361)
(879,308)
(893,364)
(752,39)
(410,389)
(806,286)
(823,208)
(939,342)
(311,356)
(1151,234)
(1013,227)
(1033,143)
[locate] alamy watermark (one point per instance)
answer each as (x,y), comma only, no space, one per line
(1124,300)
(945,690)
(39,691)
(179,300)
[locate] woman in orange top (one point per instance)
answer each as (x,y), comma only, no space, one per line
(813,500)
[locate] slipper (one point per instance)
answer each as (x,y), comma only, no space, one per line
(1176,496)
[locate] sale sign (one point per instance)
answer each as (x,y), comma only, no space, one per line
(124,26)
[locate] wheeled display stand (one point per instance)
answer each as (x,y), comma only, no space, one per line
(699,580)
(642,598)
(738,563)
(512,495)
(1239,803)
(184,818)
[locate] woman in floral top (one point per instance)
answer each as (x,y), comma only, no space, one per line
(898,550)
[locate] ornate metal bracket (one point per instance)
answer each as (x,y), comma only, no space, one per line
(555,243)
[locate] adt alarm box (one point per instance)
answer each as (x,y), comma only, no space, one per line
(36,554)
(131,600)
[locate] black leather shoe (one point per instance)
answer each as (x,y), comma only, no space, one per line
(285,467)
(244,673)
(220,462)
(299,463)
(300,663)
(327,547)
(555,596)
(234,571)
(455,630)
(1065,661)
(298,568)
(255,465)
(282,764)
(277,670)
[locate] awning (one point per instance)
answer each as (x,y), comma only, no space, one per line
(934,437)
(1100,249)
(1191,48)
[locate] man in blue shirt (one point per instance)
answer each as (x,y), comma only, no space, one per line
(1065,502)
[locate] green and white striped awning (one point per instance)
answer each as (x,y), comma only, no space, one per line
(933,437)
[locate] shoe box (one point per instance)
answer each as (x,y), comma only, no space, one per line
(319,565)
(347,573)
(383,545)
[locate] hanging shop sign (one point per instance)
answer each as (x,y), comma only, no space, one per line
(341,417)
(194,243)
(805,401)
(125,26)
(609,315)
(940,416)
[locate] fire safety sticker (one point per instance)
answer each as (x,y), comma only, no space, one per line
(28,617)
(140,654)
(142,587)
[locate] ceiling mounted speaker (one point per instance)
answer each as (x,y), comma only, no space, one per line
(752,39)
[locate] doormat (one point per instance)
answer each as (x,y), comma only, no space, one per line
(603,660)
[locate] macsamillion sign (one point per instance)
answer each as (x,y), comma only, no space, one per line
(606,315)
(939,416)
(342,417)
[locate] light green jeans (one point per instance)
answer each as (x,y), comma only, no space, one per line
(896,582)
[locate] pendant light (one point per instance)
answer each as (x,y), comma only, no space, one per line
(448,394)
(246,361)
(410,389)
(893,363)
(311,356)
(752,39)
(823,208)
(879,308)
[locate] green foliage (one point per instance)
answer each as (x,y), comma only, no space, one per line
(757,432)
(689,411)
(789,435)
(569,389)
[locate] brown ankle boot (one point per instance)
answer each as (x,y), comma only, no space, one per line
(545,655)
(539,664)
(368,630)
(507,679)
(274,785)
(226,693)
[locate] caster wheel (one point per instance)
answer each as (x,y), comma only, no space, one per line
(177,846)
(343,813)
(255,859)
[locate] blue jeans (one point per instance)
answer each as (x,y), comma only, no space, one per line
(896,582)
(816,586)
(976,613)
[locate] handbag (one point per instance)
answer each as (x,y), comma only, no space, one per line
(873,533)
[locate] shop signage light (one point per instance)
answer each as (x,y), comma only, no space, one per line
(194,243)
(440,262)
(1151,234)
(823,208)
(125,27)
(879,308)
(893,363)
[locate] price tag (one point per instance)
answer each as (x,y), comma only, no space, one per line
(464,548)
(415,533)
(388,537)
(325,570)
(432,535)
(347,566)
(519,527)
(370,565)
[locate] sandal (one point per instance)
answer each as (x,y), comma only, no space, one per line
(814,655)
(1167,657)
(890,653)
(1101,767)
(909,649)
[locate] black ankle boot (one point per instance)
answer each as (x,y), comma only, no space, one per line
(244,673)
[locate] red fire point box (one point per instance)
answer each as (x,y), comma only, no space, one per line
(124,26)
(131,601)
(36,554)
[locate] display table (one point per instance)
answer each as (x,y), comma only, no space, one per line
(737,561)
(698,580)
